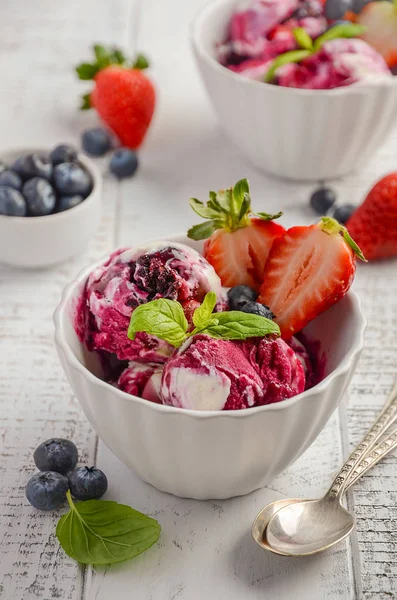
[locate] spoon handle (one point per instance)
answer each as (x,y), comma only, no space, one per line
(382,423)
(373,457)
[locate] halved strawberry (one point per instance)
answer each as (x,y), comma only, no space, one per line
(308,270)
(239,241)
(380,19)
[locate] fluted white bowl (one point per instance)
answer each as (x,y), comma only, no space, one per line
(38,242)
(292,133)
(210,455)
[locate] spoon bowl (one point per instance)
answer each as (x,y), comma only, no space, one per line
(308,526)
(262,519)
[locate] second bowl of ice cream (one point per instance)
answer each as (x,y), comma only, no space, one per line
(201,417)
(292,130)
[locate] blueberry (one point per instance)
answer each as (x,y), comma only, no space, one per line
(87,483)
(11,179)
(3,166)
(12,203)
(33,165)
(40,197)
(47,490)
(96,141)
(62,154)
(66,202)
(123,163)
(322,200)
(310,8)
(71,179)
(239,295)
(57,455)
(335,9)
(358,5)
(344,212)
(254,308)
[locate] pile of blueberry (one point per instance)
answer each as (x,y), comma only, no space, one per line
(97,142)
(56,460)
(35,185)
(323,202)
(243,298)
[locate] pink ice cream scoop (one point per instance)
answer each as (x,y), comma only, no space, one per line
(212,374)
(338,63)
(142,380)
(133,277)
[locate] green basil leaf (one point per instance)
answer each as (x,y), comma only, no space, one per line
(344,30)
(203,314)
(203,211)
(204,230)
(294,56)
(100,532)
(162,318)
(266,217)
(237,325)
(302,38)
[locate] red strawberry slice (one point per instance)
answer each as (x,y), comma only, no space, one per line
(238,241)
(308,270)
(374,224)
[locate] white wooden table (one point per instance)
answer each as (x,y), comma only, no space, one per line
(205,550)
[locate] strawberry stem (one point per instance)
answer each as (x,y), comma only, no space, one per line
(333,227)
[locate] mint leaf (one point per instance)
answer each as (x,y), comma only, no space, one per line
(294,56)
(100,532)
(203,314)
(86,71)
(85,102)
(141,62)
(344,30)
(204,230)
(237,325)
(203,211)
(302,38)
(267,217)
(162,318)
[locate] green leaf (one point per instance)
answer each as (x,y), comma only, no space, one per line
(240,192)
(203,314)
(344,30)
(355,247)
(162,318)
(302,38)
(203,230)
(100,532)
(266,217)
(86,71)
(294,56)
(245,207)
(100,52)
(85,102)
(333,227)
(202,210)
(214,203)
(118,56)
(141,62)
(237,325)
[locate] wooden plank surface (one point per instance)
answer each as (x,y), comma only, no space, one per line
(205,548)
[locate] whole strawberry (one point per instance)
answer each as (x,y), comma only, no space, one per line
(123,96)
(238,241)
(374,224)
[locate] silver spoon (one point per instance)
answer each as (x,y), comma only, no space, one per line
(299,528)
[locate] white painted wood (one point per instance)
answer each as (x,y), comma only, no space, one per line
(205,549)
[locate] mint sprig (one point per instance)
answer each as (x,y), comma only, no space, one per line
(333,227)
(165,319)
(100,532)
(228,209)
(308,47)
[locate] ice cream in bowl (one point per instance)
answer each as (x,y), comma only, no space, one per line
(303,96)
(209,367)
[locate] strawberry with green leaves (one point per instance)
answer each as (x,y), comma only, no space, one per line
(123,96)
(309,269)
(238,241)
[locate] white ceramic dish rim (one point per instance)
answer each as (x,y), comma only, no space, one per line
(195,26)
(88,164)
(343,368)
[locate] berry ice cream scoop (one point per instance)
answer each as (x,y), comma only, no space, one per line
(142,380)
(131,278)
(215,374)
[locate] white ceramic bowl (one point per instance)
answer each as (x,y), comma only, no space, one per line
(36,242)
(207,455)
(292,133)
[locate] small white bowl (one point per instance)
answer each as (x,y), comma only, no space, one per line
(36,242)
(205,455)
(292,133)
